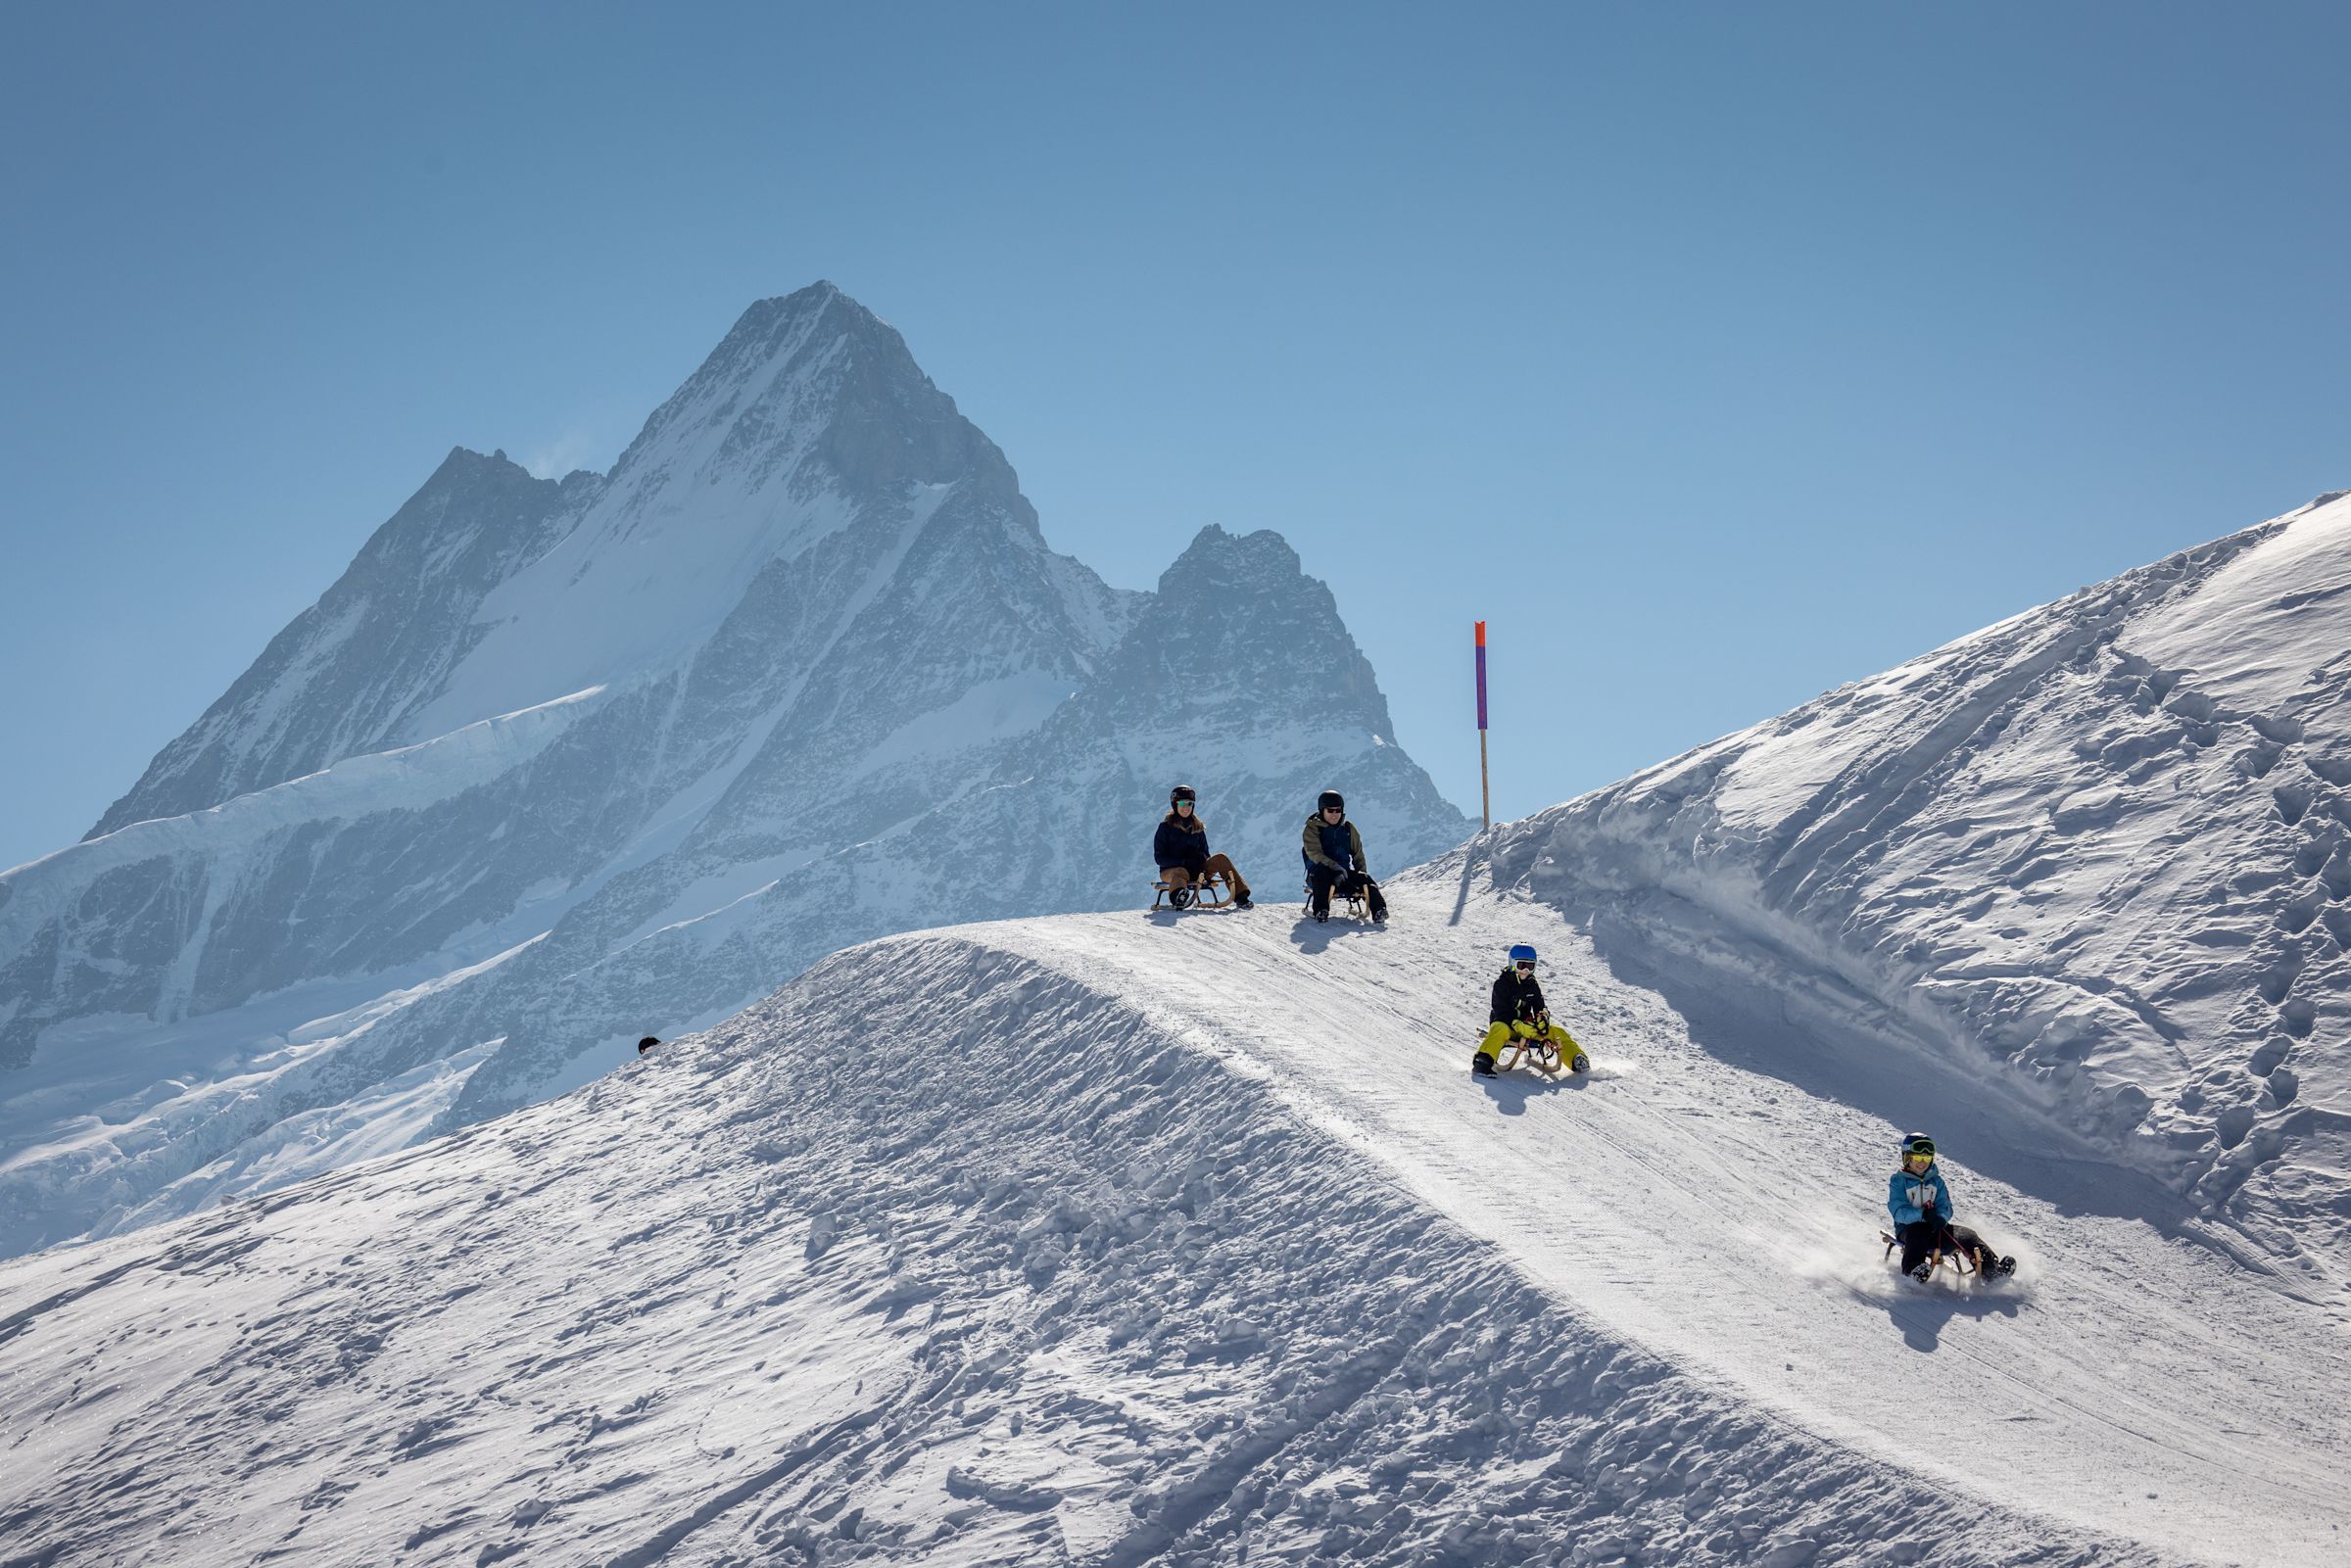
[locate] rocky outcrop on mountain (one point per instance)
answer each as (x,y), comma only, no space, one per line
(341,679)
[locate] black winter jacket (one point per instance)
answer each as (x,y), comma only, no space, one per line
(1515,999)
(1175,844)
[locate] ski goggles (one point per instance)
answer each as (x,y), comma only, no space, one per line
(1524,966)
(1183,805)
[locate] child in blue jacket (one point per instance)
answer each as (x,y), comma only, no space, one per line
(1921,1205)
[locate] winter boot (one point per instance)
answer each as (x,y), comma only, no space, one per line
(1481,1066)
(1241,900)
(1581,1064)
(1924,1271)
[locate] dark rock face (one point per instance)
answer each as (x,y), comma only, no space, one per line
(555,760)
(338,681)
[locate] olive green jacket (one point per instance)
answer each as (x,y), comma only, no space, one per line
(1311,842)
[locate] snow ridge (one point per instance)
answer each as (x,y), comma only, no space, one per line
(2105,845)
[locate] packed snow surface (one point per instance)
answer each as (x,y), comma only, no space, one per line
(1131,1238)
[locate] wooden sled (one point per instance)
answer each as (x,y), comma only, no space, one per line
(1543,1055)
(1191,895)
(1358,908)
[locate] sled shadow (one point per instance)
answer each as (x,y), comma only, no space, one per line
(1922,1314)
(1512,1090)
(1313,937)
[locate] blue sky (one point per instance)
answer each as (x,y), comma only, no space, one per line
(1715,354)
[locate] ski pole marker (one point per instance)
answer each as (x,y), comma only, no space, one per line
(1485,791)
(1481,674)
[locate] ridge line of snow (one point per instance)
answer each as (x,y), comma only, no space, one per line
(402,778)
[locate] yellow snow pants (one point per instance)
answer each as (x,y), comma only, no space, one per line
(1499,1035)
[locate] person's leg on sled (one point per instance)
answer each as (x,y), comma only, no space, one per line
(1572,1055)
(1989,1263)
(1220,868)
(1923,1241)
(1489,1050)
(1179,884)
(1356,884)
(1319,881)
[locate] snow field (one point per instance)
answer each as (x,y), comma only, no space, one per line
(1713,1194)
(943,1255)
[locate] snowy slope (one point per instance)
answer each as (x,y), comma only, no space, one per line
(1122,1238)
(2100,854)
(554,766)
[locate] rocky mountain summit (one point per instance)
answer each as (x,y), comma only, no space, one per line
(557,763)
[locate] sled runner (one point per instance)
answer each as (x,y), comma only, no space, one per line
(1960,1261)
(1357,909)
(1541,1053)
(1206,895)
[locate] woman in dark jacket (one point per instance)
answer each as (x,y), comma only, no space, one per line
(1181,847)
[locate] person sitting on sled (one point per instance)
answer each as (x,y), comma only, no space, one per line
(1333,851)
(1920,1201)
(1517,1009)
(1180,848)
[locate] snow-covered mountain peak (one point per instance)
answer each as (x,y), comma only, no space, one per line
(490,592)
(810,419)
(829,681)
(804,371)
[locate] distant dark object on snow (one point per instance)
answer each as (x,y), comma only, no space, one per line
(646,1044)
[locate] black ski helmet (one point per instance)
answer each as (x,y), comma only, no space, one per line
(1182,792)
(1918,1143)
(1329,798)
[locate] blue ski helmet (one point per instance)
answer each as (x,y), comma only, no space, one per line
(1522,954)
(1918,1143)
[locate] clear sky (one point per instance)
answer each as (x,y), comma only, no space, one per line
(1715,354)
